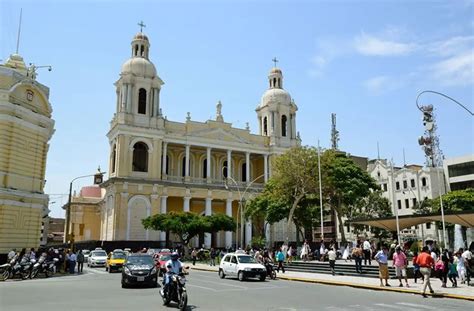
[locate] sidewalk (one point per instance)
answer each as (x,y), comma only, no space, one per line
(461,292)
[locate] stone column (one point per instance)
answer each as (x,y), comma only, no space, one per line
(129,97)
(186,172)
(228,212)
(260,125)
(208,169)
(208,212)
(229,163)
(293,125)
(248,232)
(265,167)
(163,161)
(164,199)
(186,206)
(247,167)
(155,102)
(272,123)
(123,97)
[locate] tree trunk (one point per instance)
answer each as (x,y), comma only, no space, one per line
(290,216)
(341,227)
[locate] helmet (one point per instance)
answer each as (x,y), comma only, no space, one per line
(174,256)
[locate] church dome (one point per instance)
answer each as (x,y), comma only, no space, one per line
(275,70)
(140,36)
(275,96)
(139,66)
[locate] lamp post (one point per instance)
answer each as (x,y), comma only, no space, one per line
(98,177)
(395,208)
(241,206)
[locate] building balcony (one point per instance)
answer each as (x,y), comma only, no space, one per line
(214,182)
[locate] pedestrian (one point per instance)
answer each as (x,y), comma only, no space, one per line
(289,255)
(72,262)
(280,256)
(322,251)
(400,263)
(441,268)
(366,249)
(332,260)
(212,256)
(452,272)
(382,258)
(461,266)
(67,253)
(357,254)
(305,251)
(346,252)
(416,267)
(194,256)
(80,261)
(426,263)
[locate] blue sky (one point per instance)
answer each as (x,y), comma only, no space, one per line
(364,60)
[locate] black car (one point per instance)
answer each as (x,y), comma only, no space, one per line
(139,269)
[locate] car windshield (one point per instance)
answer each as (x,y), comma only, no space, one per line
(246,259)
(165,257)
(99,254)
(86,252)
(140,260)
(118,255)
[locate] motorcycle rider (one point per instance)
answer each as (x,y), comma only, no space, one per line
(173,266)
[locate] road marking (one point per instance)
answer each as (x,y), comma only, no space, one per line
(220,284)
(414,305)
(203,287)
(392,306)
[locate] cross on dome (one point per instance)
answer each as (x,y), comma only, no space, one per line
(141,24)
(275,60)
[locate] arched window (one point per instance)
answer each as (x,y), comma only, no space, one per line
(265,126)
(274,82)
(136,50)
(140,157)
(204,168)
(183,171)
(114,154)
(224,169)
(141,51)
(142,101)
(167,165)
(243,172)
(283,125)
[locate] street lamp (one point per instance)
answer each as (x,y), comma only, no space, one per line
(395,208)
(241,207)
(98,177)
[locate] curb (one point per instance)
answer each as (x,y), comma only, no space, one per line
(355,285)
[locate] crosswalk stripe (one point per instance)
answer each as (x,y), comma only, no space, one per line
(414,305)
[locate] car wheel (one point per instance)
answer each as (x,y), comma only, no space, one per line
(221,273)
(123,285)
(241,276)
(263,277)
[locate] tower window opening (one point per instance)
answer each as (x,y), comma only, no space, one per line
(167,165)
(283,125)
(114,154)
(224,169)
(140,157)
(136,50)
(274,82)
(142,101)
(243,172)
(142,51)
(265,126)
(183,171)
(204,168)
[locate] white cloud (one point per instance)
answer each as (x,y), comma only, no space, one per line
(451,46)
(383,84)
(372,46)
(456,70)
(327,50)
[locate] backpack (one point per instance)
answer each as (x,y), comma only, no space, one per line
(439,266)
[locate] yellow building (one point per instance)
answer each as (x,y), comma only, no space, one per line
(158,166)
(85,214)
(25,130)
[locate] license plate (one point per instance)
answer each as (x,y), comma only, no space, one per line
(140,278)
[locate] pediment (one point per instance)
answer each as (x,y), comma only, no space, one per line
(219,134)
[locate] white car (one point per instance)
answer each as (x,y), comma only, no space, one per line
(97,258)
(86,254)
(242,266)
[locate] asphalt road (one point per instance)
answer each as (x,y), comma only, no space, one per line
(97,290)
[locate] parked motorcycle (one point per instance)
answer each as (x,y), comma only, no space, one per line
(176,291)
(44,266)
(16,267)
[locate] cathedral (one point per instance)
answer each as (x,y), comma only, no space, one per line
(158,166)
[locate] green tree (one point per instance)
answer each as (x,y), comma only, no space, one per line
(344,184)
(188,225)
(374,205)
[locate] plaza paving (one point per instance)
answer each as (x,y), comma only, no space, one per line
(97,290)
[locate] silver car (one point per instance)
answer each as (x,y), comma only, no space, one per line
(97,258)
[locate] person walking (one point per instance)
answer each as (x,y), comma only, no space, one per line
(212,256)
(332,260)
(416,267)
(72,262)
(194,256)
(305,251)
(400,263)
(382,258)
(366,249)
(289,255)
(280,256)
(452,272)
(322,250)
(426,263)
(345,254)
(80,261)
(357,254)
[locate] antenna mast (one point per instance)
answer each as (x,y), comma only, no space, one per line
(19,31)
(334,133)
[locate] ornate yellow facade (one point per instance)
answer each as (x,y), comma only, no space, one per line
(158,166)
(25,130)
